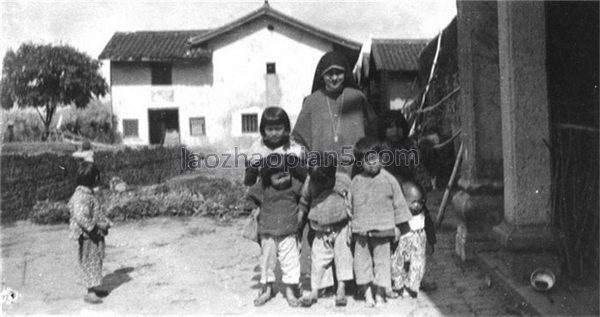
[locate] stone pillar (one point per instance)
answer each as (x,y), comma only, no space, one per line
(526,228)
(525,123)
(479,201)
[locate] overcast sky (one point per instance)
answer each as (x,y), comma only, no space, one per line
(88,25)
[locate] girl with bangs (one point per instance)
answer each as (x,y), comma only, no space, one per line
(275,138)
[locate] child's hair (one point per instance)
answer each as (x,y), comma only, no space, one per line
(409,185)
(363,147)
(322,168)
(86,146)
(274,115)
(275,163)
(88,174)
(386,119)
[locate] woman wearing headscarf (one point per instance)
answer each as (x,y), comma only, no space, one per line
(333,118)
(336,114)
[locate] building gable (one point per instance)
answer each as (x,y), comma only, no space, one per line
(267,12)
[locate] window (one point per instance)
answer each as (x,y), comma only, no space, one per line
(249,123)
(130,128)
(197,126)
(161,74)
(271,68)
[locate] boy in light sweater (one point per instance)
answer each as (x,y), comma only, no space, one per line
(378,207)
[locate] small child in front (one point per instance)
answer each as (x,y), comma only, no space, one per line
(408,261)
(378,207)
(279,220)
(324,197)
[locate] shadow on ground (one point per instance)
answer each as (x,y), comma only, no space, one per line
(115,279)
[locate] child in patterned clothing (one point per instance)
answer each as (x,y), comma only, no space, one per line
(378,207)
(88,225)
(408,261)
(325,199)
(279,221)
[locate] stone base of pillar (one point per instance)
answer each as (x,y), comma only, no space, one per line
(525,238)
(479,207)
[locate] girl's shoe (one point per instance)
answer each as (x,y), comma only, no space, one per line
(341,302)
(92,298)
(391,294)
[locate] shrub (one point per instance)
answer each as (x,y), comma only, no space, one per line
(50,212)
(200,196)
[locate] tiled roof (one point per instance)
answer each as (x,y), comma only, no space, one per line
(267,11)
(397,55)
(153,46)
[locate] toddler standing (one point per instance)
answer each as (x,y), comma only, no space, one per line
(408,261)
(324,197)
(279,220)
(378,206)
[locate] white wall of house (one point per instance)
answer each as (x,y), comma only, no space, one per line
(234,83)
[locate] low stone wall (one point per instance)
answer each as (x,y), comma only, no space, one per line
(29,178)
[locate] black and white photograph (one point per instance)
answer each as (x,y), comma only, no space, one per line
(299,157)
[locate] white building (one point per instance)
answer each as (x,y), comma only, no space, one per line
(209,87)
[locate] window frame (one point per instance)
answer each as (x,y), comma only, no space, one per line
(161,74)
(203,120)
(125,130)
(249,127)
(271,68)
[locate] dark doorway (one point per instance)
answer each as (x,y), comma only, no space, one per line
(161,122)
(572,52)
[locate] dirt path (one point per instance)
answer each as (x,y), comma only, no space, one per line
(194,266)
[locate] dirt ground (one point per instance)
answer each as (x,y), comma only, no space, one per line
(196,266)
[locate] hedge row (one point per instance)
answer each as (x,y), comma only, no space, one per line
(199,196)
(27,179)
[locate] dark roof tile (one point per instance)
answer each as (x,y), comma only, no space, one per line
(397,54)
(153,46)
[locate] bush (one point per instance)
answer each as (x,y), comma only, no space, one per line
(50,212)
(199,196)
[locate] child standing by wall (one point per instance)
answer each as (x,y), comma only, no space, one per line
(275,138)
(88,226)
(408,261)
(378,206)
(279,221)
(324,197)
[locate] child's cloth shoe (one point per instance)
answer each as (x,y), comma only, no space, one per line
(307,301)
(341,302)
(263,296)
(391,294)
(92,298)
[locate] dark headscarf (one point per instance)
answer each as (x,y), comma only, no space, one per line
(329,59)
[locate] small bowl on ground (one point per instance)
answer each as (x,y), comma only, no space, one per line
(542,279)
